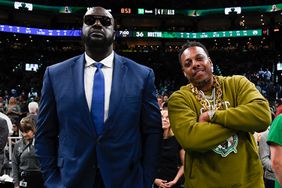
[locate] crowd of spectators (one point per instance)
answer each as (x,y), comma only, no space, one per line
(257,64)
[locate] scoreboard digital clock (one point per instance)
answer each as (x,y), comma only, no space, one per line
(125,11)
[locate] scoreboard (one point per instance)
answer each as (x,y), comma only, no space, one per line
(190,35)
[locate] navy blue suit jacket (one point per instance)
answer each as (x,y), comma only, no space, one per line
(66,142)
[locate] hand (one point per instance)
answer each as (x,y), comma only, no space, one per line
(17,186)
(204,117)
(161,183)
(171,183)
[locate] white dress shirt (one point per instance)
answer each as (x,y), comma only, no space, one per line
(89,72)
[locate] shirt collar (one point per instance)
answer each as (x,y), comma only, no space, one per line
(108,61)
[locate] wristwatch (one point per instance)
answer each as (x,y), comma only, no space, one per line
(211,114)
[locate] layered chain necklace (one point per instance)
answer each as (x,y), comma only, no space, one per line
(213,102)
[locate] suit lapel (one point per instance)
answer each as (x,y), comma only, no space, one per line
(79,90)
(118,86)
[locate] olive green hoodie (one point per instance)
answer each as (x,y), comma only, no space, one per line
(248,111)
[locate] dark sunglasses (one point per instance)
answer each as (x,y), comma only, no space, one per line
(91,19)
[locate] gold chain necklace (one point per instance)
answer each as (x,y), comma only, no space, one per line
(217,101)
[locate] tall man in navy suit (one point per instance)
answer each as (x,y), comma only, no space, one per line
(72,151)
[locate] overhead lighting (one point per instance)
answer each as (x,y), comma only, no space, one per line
(23,6)
(232,10)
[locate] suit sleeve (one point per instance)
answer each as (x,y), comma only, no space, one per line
(46,141)
(4,132)
(151,130)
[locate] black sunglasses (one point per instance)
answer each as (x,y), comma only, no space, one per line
(91,19)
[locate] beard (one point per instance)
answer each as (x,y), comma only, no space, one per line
(98,44)
(200,84)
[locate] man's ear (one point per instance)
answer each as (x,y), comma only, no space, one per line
(114,33)
(211,64)
(210,61)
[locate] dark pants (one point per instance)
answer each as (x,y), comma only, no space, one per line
(98,180)
(33,179)
(269,183)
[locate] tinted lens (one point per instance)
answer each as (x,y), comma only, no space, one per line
(91,19)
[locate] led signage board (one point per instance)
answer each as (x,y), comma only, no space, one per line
(135,34)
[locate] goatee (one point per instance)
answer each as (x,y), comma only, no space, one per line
(202,85)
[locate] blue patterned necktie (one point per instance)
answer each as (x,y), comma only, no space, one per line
(98,99)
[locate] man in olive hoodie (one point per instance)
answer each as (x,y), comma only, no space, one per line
(213,119)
